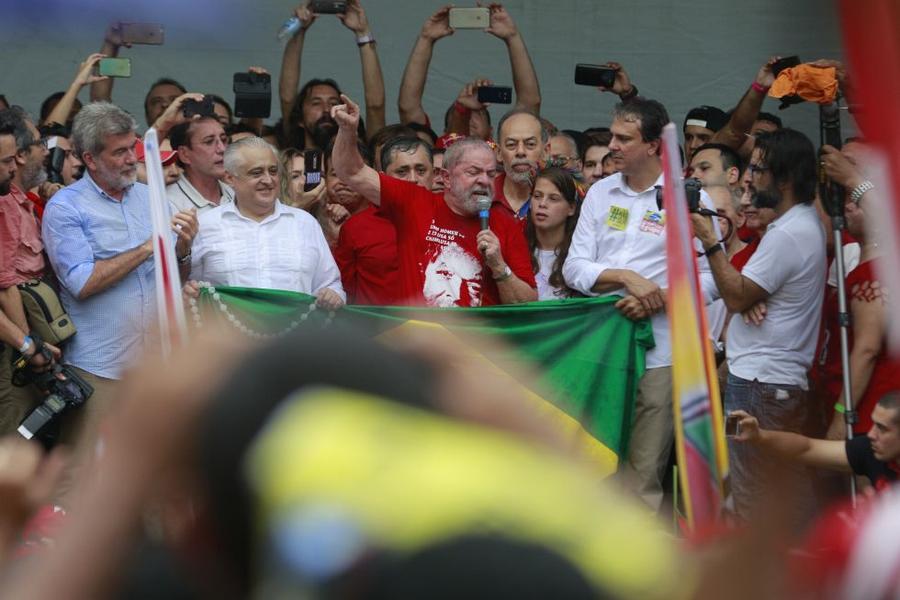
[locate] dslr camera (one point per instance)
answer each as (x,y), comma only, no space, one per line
(63,389)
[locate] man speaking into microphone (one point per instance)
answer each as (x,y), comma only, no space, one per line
(453,250)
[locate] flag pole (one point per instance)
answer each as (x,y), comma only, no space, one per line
(170,309)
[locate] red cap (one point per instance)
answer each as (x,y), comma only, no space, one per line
(167,156)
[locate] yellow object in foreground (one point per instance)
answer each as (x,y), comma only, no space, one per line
(410,479)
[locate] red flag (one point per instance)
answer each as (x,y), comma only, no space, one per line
(872,43)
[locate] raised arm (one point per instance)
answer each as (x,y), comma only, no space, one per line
(373,81)
(349,166)
(289,80)
(112,41)
(412,86)
(525,81)
(60,112)
(735,132)
(465,104)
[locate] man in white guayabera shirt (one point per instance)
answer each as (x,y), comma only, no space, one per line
(256,241)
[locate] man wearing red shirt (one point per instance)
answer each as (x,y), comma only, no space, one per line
(523,145)
(445,258)
(366,247)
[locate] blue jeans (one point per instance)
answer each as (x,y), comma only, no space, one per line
(782,408)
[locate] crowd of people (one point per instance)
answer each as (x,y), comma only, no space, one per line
(466,213)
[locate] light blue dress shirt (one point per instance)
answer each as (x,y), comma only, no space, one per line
(82,224)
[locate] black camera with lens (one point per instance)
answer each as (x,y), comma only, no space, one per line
(692,187)
(63,387)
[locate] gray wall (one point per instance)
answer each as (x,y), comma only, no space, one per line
(682,53)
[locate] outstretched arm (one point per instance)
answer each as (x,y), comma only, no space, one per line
(830,454)
(525,81)
(60,113)
(348,164)
(412,86)
(735,132)
(112,41)
(289,80)
(373,80)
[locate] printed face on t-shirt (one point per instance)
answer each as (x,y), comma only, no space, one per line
(451,276)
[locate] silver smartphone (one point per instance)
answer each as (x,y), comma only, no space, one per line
(470,18)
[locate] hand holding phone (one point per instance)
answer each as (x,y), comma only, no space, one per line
(203,108)
(732,426)
(312,165)
(494,94)
(328,7)
(595,75)
(114,67)
(470,18)
(143,33)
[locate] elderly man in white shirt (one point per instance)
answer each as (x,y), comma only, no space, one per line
(256,241)
(619,247)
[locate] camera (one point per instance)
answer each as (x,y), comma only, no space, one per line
(252,95)
(692,187)
(63,387)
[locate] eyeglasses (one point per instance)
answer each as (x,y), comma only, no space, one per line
(757,169)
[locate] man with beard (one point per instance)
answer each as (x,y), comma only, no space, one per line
(22,260)
(97,234)
(768,361)
(256,241)
(200,146)
(524,144)
(446,259)
(306,116)
(619,248)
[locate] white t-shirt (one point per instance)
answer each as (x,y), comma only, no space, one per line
(545,259)
(790,265)
(285,251)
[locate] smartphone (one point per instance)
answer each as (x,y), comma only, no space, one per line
(114,67)
(203,107)
(143,33)
(785,63)
(328,7)
(470,18)
(495,94)
(594,75)
(732,426)
(252,95)
(312,164)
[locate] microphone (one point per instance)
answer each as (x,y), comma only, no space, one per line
(484,211)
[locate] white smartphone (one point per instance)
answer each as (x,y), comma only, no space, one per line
(470,18)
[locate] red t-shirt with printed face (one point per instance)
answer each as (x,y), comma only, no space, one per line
(366,254)
(440,264)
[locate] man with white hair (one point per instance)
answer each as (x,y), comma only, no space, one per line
(446,257)
(97,234)
(256,241)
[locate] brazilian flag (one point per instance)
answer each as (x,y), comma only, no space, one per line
(581,359)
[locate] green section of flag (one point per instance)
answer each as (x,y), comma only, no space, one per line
(589,356)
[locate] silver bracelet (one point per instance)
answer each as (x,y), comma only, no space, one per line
(860,190)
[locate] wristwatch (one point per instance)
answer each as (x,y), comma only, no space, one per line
(507,273)
(365,39)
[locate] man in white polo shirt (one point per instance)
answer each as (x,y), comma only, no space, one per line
(619,247)
(256,241)
(200,145)
(768,359)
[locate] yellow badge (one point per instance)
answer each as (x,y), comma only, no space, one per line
(617,218)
